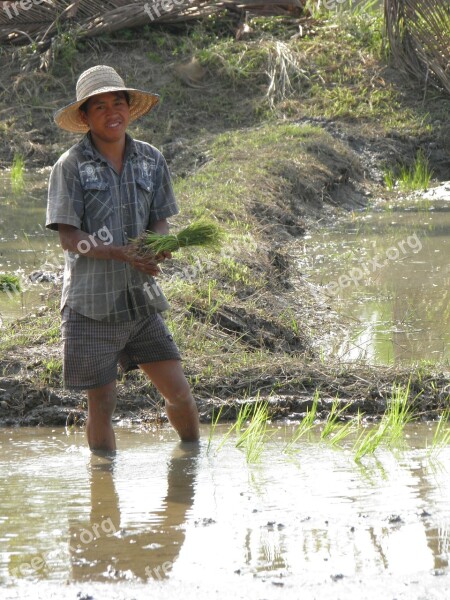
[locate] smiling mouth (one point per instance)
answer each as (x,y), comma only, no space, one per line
(114,125)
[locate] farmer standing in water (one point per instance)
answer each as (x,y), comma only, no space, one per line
(105,190)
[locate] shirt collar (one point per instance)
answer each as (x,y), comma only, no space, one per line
(90,151)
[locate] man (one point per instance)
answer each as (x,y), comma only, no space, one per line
(103,192)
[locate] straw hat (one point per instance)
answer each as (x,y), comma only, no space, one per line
(99,80)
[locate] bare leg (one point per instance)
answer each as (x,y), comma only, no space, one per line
(101,405)
(169,378)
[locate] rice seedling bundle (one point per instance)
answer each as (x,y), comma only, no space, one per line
(199,233)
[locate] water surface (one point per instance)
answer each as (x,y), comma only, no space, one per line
(387,273)
(25,244)
(185,520)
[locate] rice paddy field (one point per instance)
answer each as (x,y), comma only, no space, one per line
(316,341)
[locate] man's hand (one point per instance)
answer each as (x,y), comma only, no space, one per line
(163,256)
(128,254)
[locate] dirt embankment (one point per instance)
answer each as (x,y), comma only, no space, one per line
(248,324)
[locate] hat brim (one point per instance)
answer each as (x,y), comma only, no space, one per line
(69,117)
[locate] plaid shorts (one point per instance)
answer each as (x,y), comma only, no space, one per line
(93,349)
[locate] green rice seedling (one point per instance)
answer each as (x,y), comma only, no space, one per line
(368,441)
(17,170)
(9,283)
(254,437)
(242,416)
(399,411)
(332,422)
(305,425)
(441,437)
(398,414)
(201,233)
(343,432)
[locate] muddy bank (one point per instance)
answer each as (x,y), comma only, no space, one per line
(27,400)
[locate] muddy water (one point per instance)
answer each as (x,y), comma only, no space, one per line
(387,273)
(183,521)
(25,244)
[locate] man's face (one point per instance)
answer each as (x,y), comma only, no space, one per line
(107,116)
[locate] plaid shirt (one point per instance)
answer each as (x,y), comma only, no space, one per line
(85,191)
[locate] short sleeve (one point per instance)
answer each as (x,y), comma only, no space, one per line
(65,196)
(163,203)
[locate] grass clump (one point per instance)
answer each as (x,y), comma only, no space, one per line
(416,177)
(9,283)
(250,427)
(410,178)
(332,424)
(52,371)
(31,330)
(400,411)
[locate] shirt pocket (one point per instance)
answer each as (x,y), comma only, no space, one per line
(144,188)
(97,200)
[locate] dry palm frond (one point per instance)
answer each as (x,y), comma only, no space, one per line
(41,22)
(419,38)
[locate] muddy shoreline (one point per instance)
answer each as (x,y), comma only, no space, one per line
(365,389)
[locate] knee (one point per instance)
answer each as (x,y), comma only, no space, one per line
(179,395)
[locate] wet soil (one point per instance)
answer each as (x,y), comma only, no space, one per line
(27,399)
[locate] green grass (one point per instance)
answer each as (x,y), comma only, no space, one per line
(389,179)
(400,411)
(251,430)
(343,432)
(410,178)
(52,371)
(31,331)
(416,177)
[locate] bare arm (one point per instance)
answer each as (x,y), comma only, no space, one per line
(70,238)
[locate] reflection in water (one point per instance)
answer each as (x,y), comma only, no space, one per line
(103,549)
(390,527)
(172,516)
